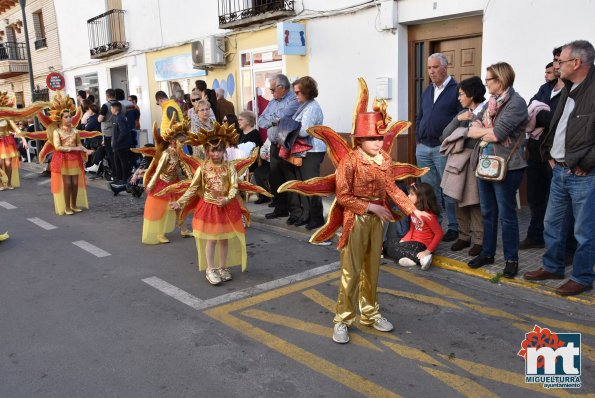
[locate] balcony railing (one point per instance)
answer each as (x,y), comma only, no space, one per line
(13,59)
(106,34)
(238,13)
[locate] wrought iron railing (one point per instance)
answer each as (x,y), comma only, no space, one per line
(232,11)
(13,51)
(106,34)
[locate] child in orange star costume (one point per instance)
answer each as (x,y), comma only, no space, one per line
(363,182)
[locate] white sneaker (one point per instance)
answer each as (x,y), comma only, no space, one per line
(224,274)
(340,333)
(213,277)
(382,325)
(92,168)
(406,262)
(426,262)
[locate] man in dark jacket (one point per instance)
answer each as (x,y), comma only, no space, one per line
(121,142)
(570,148)
(439,105)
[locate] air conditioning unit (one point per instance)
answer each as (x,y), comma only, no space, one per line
(208,52)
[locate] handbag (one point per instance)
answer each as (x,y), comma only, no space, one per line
(494,167)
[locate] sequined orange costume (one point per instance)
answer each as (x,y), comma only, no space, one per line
(360,181)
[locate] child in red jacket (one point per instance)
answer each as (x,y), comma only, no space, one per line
(416,247)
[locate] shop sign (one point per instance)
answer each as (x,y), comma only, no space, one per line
(176,67)
(55,81)
(291,38)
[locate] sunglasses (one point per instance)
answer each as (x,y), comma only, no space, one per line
(194,99)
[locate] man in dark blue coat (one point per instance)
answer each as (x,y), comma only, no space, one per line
(439,105)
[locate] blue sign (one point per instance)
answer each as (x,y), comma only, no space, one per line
(176,67)
(291,38)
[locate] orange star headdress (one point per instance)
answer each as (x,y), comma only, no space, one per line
(176,128)
(220,133)
(365,124)
(51,121)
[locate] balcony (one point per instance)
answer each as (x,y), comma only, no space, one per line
(13,59)
(240,13)
(106,34)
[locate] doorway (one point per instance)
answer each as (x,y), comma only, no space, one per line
(460,40)
(119,78)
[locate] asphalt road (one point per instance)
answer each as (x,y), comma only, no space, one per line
(141,321)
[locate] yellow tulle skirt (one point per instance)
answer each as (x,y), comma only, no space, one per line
(70,164)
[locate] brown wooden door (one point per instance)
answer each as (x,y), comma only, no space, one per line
(464,56)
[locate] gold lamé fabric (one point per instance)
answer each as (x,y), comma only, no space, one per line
(65,138)
(212,181)
(169,167)
(359,181)
(6,126)
(360,261)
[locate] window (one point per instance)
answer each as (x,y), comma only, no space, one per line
(257,68)
(40,39)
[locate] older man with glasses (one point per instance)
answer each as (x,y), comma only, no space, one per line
(283,104)
(569,145)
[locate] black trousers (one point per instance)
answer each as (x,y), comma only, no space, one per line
(312,209)
(397,250)
(122,168)
(107,143)
(276,179)
(261,176)
(289,172)
(539,177)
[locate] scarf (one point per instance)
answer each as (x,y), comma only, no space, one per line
(494,105)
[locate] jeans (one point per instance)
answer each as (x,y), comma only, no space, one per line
(579,192)
(498,200)
(430,157)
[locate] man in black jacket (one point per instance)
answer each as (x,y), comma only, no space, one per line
(121,143)
(570,148)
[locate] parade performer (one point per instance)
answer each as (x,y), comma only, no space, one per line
(169,161)
(9,154)
(218,209)
(68,183)
(364,180)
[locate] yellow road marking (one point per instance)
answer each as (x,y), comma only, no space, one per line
(318,364)
(504,376)
(329,304)
(461,267)
(563,325)
(491,311)
(588,351)
(429,285)
(465,386)
(419,297)
(307,327)
(412,353)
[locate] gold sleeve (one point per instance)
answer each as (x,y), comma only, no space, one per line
(344,191)
(57,143)
(78,138)
(193,189)
(186,169)
(162,161)
(14,128)
(233,183)
(397,196)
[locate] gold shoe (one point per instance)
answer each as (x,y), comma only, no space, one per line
(162,239)
(4,236)
(224,274)
(11,187)
(68,212)
(186,233)
(2,188)
(76,209)
(213,277)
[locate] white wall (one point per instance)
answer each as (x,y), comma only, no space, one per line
(343,48)
(533,29)
(420,10)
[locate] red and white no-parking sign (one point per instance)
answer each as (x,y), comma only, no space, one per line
(55,81)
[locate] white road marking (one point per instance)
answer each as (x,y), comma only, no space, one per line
(7,205)
(44,182)
(43,224)
(94,250)
(175,292)
(198,304)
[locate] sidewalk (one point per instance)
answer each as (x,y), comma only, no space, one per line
(443,258)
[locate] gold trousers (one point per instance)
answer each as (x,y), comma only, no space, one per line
(360,261)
